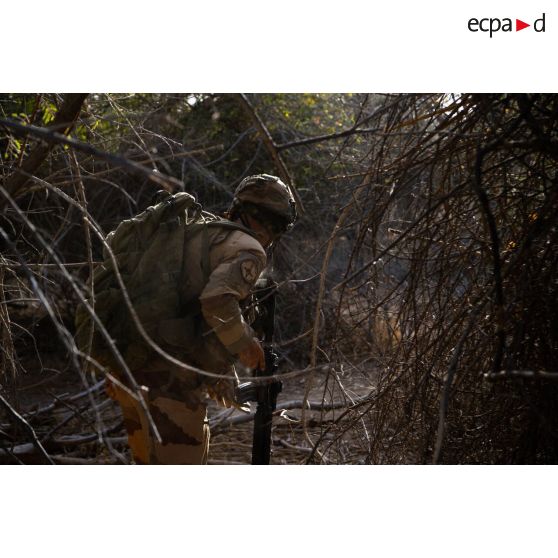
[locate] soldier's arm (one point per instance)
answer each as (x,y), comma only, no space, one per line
(229,283)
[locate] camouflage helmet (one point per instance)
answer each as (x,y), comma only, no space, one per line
(268,193)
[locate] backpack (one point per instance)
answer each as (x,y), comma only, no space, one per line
(149,252)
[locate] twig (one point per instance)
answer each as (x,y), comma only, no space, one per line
(65,336)
(228,420)
(48,408)
(271,148)
(29,449)
(444,401)
(495,248)
(520,374)
(63,121)
(327,137)
(167,182)
(88,244)
(321,291)
(32,434)
(286,444)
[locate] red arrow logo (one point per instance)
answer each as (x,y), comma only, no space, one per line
(519,25)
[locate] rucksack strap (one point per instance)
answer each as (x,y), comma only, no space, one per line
(224,224)
(205,254)
(203,227)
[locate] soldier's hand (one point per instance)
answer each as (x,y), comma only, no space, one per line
(253,355)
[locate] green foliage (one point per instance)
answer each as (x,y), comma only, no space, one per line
(13,149)
(48,112)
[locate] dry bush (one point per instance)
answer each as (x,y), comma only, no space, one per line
(455,233)
(418,291)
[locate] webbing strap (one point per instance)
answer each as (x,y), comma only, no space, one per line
(205,254)
(205,240)
(193,228)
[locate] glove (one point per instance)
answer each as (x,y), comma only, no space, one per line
(253,355)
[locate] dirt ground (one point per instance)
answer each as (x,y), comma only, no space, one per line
(65,417)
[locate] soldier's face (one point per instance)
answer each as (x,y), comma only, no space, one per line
(264,237)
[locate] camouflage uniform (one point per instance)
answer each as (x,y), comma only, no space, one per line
(175,397)
(208,331)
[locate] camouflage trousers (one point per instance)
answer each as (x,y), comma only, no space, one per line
(176,400)
(177,407)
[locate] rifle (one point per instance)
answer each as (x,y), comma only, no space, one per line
(264,393)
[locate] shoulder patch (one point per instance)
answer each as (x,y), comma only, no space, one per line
(249,271)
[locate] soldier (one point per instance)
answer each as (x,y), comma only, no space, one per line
(221,265)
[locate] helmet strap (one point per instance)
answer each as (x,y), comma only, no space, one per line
(244,220)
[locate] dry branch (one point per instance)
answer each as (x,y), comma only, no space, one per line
(62,124)
(35,443)
(272,149)
(167,182)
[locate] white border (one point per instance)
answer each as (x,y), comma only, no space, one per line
(287,46)
(252,46)
(275,512)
